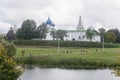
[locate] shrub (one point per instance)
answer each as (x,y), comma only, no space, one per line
(63,43)
(10,47)
(8,67)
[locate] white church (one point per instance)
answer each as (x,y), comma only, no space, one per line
(79,34)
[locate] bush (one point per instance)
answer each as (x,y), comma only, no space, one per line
(63,43)
(8,67)
(10,47)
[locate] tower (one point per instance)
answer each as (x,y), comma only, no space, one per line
(80,25)
(80,30)
(51,27)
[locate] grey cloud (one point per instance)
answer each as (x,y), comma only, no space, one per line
(64,13)
(103,11)
(24,4)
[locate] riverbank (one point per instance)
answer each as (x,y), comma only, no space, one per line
(69,57)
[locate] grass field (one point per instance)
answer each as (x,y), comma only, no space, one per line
(69,57)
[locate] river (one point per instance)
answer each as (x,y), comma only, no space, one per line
(68,74)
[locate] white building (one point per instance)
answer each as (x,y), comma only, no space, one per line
(78,35)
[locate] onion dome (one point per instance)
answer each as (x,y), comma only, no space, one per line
(49,22)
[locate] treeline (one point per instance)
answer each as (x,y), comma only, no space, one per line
(29,30)
(63,43)
(111,35)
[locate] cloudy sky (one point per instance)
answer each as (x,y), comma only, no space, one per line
(64,13)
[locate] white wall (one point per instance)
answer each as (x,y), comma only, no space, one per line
(75,35)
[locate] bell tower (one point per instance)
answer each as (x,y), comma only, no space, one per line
(80,25)
(80,29)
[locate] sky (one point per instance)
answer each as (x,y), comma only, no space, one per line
(64,13)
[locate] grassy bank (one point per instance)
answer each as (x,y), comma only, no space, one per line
(69,57)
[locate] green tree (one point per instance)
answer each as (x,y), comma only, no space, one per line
(53,34)
(8,67)
(61,34)
(42,31)
(90,33)
(117,34)
(27,30)
(10,35)
(101,33)
(110,37)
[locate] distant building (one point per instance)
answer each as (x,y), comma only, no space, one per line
(79,34)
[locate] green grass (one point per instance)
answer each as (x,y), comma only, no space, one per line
(74,58)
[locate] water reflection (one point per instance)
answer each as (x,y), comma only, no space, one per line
(68,74)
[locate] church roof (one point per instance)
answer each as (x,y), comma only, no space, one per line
(49,22)
(74,31)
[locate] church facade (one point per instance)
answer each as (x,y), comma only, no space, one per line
(72,35)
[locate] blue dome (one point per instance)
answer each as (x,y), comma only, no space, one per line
(49,22)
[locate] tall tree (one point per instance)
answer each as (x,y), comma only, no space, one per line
(116,32)
(101,33)
(10,35)
(42,31)
(90,33)
(27,30)
(110,37)
(53,34)
(61,34)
